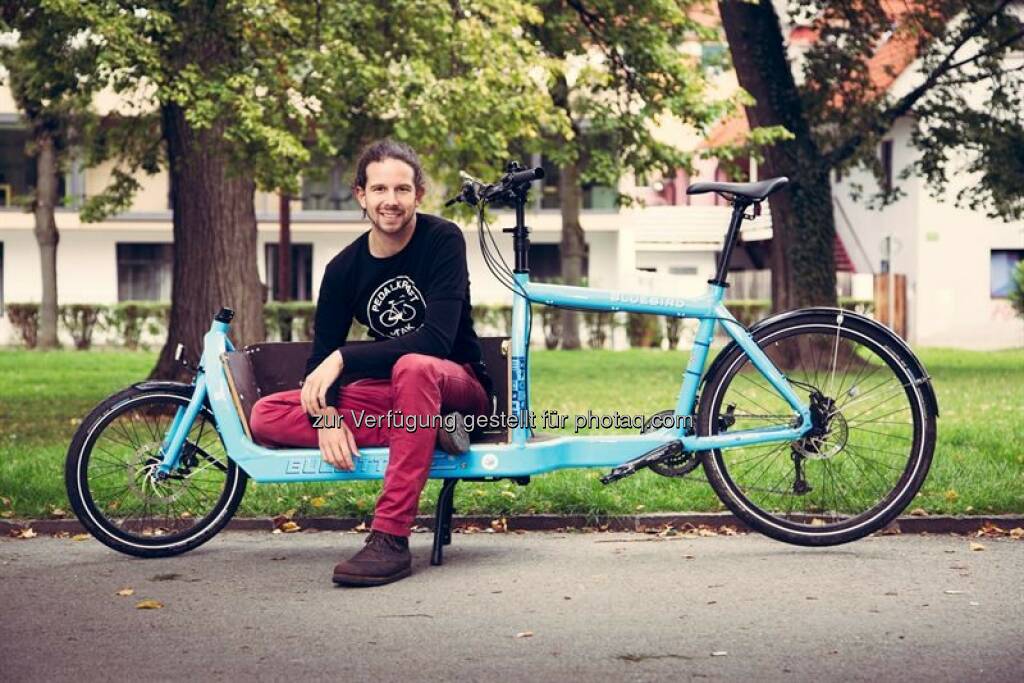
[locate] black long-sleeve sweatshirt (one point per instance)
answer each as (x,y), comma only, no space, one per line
(415,301)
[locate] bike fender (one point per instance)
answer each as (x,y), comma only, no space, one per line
(150,385)
(916,368)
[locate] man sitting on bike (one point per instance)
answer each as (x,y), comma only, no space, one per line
(407,280)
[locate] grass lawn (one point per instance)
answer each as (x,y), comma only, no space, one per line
(978,466)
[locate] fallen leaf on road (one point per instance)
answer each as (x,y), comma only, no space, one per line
(290,527)
(1017,533)
(977,547)
(360,527)
(23,533)
(125,592)
(149,604)
(990,530)
(524,634)
(499,526)
(58,512)
(81,537)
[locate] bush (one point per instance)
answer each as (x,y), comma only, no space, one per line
(25,318)
(280,318)
(129,319)
(1017,290)
(643,330)
(673,330)
(551,318)
(80,320)
(599,325)
(496,318)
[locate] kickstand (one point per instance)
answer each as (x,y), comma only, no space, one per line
(443,520)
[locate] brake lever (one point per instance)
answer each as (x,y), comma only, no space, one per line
(467,195)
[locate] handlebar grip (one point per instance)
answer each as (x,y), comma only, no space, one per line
(527,176)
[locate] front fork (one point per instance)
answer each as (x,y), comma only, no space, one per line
(171,448)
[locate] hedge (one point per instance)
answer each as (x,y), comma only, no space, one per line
(293,321)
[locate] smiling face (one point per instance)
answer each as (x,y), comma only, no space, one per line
(390,197)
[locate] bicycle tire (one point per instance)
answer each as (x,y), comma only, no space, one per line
(117,533)
(812,526)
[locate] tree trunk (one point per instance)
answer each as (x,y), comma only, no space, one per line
(573,246)
(803,225)
(46,235)
(214,241)
(283,286)
(284,249)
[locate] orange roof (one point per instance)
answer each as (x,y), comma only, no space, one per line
(890,60)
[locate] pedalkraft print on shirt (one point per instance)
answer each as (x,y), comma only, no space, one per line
(396,307)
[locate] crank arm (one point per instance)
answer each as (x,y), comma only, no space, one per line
(633,466)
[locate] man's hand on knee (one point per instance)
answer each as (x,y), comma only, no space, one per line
(337,445)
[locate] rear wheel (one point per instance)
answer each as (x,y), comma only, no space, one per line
(110,468)
(869,448)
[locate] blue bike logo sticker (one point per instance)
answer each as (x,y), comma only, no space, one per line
(396,307)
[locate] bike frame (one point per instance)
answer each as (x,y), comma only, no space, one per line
(521,457)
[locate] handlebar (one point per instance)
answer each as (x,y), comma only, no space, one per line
(514,181)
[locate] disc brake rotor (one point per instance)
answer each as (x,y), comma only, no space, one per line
(142,478)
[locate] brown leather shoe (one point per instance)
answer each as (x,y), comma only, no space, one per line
(384,558)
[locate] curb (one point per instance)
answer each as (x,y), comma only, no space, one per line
(636,523)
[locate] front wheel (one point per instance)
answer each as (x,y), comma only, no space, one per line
(110,484)
(871,439)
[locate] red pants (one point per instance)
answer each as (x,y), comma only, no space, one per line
(419,386)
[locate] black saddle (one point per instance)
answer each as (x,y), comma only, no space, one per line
(755,192)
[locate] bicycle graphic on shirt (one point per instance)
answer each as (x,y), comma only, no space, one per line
(395,316)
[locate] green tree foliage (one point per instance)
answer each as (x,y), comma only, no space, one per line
(234,94)
(1017,289)
(616,72)
(53,95)
(963,100)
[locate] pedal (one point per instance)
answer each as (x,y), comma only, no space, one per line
(671,449)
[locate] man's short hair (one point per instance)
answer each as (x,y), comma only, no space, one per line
(388,149)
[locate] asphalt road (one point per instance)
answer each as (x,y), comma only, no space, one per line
(598,606)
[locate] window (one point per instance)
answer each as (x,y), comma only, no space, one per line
(330,191)
(713,55)
(886,154)
(17,169)
(546,261)
(144,271)
(301,272)
(545,194)
(1003,264)
(682,270)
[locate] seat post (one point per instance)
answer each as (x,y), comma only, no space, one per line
(738,207)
